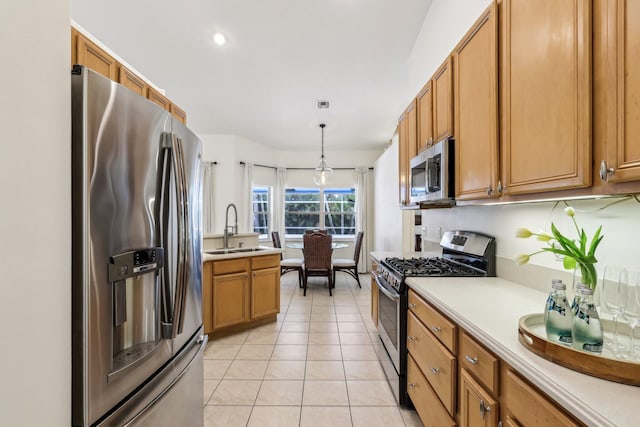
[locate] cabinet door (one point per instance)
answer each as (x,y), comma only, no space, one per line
(525,406)
(93,57)
(425,116)
(477,407)
(374,299)
(407,136)
(131,81)
(546,89)
(475,64)
(265,292)
(158,98)
(178,113)
(622,116)
(207,297)
(443,101)
(230,299)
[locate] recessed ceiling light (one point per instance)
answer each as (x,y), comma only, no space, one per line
(219,39)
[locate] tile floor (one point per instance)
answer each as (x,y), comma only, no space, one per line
(315,366)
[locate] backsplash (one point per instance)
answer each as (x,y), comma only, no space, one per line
(620,227)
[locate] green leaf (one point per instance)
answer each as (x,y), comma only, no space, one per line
(583,241)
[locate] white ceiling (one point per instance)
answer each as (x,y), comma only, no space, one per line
(281,57)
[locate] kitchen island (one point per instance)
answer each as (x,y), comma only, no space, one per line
(240,288)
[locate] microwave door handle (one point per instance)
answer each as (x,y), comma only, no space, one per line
(164,185)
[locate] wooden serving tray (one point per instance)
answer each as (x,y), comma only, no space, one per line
(532,335)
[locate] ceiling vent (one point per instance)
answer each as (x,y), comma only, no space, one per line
(323,105)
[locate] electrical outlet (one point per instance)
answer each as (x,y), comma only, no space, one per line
(439,232)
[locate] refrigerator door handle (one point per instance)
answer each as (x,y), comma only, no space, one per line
(182,207)
(164,184)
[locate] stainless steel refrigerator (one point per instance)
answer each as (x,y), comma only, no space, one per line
(137,331)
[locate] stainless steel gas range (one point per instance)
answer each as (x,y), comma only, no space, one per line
(464,254)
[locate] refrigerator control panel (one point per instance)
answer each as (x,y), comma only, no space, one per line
(133,263)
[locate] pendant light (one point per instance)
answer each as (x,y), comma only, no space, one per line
(323,173)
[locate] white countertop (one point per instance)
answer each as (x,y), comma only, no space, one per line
(489,310)
(265,250)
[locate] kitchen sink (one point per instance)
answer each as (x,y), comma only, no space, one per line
(235,250)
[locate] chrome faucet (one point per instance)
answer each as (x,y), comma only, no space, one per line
(234,228)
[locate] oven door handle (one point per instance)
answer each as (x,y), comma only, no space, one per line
(381,286)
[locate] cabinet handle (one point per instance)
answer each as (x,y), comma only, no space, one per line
(489,191)
(605,172)
(412,386)
(501,188)
(435,370)
(472,360)
(411,339)
(412,305)
(484,409)
(436,329)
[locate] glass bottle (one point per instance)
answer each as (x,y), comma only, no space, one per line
(558,319)
(587,329)
(576,298)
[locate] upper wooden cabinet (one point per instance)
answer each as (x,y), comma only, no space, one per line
(178,113)
(443,101)
(617,48)
(424,102)
(131,81)
(546,95)
(407,136)
(159,99)
(92,56)
(475,64)
(86,52)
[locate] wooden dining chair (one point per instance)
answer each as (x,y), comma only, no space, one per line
(317,257)
(287,264)
(350,266)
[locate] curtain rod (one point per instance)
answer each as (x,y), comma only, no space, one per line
(299,169)
(212,163)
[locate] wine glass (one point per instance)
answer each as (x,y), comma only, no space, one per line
(614,290)
(632,313)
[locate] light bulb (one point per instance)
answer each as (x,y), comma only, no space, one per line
(219,39)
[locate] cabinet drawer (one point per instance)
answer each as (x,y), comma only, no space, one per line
(434,360)
(265,261)
(439,325)
(427,404)
(479,362)
(528,407)
(227,266)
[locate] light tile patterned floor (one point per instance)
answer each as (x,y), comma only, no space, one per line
(315,366)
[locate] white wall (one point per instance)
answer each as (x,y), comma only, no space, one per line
(387,220)
(35,216)
(620,226)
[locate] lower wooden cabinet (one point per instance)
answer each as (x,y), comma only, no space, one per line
(477,407)
(230,299)
(374,294)
(265,292)
(427,404)
(523,405)
(238,291)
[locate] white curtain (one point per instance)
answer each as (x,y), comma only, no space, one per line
(208,202)
(278,203)
(364,202)
(247,223)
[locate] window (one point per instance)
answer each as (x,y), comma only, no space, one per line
(339,212)
(330,208)
(260,197)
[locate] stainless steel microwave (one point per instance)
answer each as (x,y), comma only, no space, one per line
(432,175)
